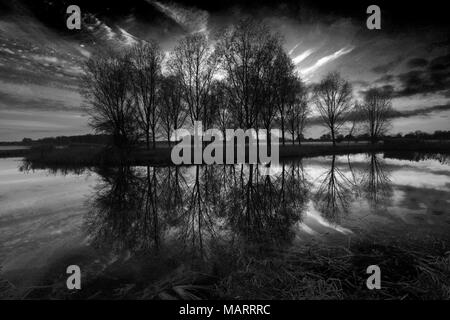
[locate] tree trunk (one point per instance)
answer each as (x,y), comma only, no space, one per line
(373,139)
(147,139)
(333,138)
(257,146)
(224,145)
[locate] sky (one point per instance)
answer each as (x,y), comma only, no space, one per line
(41,60)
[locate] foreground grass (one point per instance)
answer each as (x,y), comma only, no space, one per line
(313,271)
(338,273)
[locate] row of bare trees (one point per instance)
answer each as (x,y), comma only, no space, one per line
(244,79)
(337,108)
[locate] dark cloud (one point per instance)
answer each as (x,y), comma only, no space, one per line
(417,63)
(386,88)
(433,79)
(440,44)
(395,114)
(387,67)
(420,111)
(361,83)
(424,77)
(387,78)
(396,14)
(440,63)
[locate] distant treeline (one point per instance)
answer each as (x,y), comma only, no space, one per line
(64,140)
(105,139)
(416,135)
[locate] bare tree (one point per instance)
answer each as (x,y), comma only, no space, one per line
(194,62)
(375,113)
(271,87)
(333,99)
(173,112)
(355,119)
(107,89)
(284,85)
(297,111)
(145,59)
(244,49)
(220,101)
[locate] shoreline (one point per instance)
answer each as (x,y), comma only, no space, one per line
(90,155)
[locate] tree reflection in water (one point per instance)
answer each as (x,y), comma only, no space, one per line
(340,186)
(139,208)
(265,208)
(375,183)
(334,194)
(124,213)
(212,219)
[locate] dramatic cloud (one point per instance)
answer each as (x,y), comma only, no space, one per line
(433,79)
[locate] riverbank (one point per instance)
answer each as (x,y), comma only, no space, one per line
(98,155)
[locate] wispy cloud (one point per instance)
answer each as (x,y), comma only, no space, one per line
(111,35)
(127,37)
(191,19)
(46,59)
(324,60)
(295,47)
(302,56)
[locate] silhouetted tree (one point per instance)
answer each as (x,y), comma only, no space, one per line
(221,101)
(284,85)
(375,113)
(276,86)
(145,59)
(297,111)
(173,111)
(194,63)
(107,87)
(332,97)
(244,49)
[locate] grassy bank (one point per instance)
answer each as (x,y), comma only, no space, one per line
(14,153)
(312,271)
(318,272)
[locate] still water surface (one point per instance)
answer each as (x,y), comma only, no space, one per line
(182,217)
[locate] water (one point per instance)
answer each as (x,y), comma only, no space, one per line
(9,148)
(152,224)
